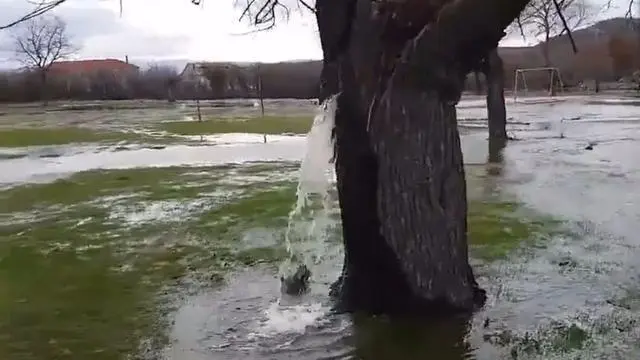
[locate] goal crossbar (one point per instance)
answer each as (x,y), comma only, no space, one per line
(519,73)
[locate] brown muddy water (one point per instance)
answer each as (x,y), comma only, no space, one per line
(573,295)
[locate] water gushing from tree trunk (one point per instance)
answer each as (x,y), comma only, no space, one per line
(309,219)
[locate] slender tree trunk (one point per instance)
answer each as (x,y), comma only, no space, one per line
(546,53)
(170,94)
(44,93)
(399,165)
(260,94)
(546,49)
(496,109)
(476,75)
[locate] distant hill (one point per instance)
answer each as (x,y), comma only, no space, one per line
(592,60)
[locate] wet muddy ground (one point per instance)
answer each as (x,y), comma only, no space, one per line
(167,245)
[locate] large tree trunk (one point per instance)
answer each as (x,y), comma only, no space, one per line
(399,165)
(496,110)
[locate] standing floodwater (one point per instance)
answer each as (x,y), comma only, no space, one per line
(573,294)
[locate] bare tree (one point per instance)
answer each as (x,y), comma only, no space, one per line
(548,18)
(40,42)
(163,79)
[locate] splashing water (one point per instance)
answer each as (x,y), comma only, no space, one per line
(293,319)
(309,218)
(308,226)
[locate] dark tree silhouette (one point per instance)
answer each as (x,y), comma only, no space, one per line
(496,110)
(39,43)
(398,68)
(550,18)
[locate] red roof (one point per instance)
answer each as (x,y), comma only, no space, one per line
(89,66)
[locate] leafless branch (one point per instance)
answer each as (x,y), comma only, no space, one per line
(307,6)
(40,8)
(565,25)
(550,18)
(264,13)
(629,12)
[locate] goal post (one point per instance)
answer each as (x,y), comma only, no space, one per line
(520,78)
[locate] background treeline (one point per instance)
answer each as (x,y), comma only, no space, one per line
(609,55)
(282,80)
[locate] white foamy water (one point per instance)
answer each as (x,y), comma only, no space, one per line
(228,149)
(317,166)
(292,319)
(308,223)
(316,177)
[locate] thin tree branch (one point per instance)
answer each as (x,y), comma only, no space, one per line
(629,13)
(41,8)
(264,13)
(566,26)
(309,7)
(553,18)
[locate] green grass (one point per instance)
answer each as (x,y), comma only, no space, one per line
(268,207)
(161,183)
(22,137)
(62,136)
(63,293)
(68,306)
(266,125)
(78,283)
(495,227)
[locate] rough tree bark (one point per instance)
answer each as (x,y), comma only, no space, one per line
(399,73)
(496,111)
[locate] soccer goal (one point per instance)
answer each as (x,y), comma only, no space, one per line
(520,80)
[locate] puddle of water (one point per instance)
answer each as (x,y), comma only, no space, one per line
(239,138)
(288,149)
(41,170)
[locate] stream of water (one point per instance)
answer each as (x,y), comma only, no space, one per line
(313,200)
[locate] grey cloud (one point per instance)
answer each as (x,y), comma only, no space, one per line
(136,45)
(97,31)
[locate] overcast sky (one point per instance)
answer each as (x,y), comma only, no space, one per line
(151,30)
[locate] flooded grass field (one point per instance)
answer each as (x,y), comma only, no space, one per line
(133,232)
